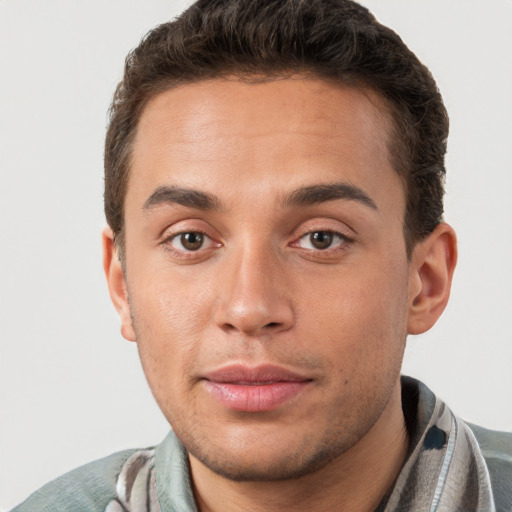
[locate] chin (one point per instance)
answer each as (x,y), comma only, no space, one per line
(266,458)
(278,468)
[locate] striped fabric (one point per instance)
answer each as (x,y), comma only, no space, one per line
(135,487)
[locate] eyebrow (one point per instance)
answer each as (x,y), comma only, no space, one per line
(166,195)
(304,196)
(315,194)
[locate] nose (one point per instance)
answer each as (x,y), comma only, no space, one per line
(253,296)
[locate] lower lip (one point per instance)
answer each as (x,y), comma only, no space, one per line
(255,398)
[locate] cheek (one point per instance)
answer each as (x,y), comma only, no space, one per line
(169,305)
(168,320)
(362,320)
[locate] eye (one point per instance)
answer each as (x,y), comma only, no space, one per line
(190,241)
(321,240)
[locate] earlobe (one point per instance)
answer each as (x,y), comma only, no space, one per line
(430,276)
(117,284)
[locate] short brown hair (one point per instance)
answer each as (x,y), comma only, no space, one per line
(335,40)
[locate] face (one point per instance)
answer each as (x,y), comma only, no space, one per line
(266,271)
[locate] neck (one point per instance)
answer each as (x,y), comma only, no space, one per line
(354,482)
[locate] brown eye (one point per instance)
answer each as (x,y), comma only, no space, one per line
(191,245)
(192,241)
(321,239)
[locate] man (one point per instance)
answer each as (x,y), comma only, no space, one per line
(274,180)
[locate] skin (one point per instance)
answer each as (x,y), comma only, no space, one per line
(258,291)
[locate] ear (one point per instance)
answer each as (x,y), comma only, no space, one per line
(430,278)
(117,284)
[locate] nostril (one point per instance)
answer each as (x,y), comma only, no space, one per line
(272,324)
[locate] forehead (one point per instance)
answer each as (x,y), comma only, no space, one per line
(290,132)
(219,108)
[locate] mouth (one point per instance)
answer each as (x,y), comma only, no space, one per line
(258,389)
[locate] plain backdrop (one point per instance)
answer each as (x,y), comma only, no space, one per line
(71,388)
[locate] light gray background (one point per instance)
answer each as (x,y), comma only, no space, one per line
(71,388)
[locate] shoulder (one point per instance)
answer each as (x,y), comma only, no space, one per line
(87,488)
(493,443)
(496,448)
